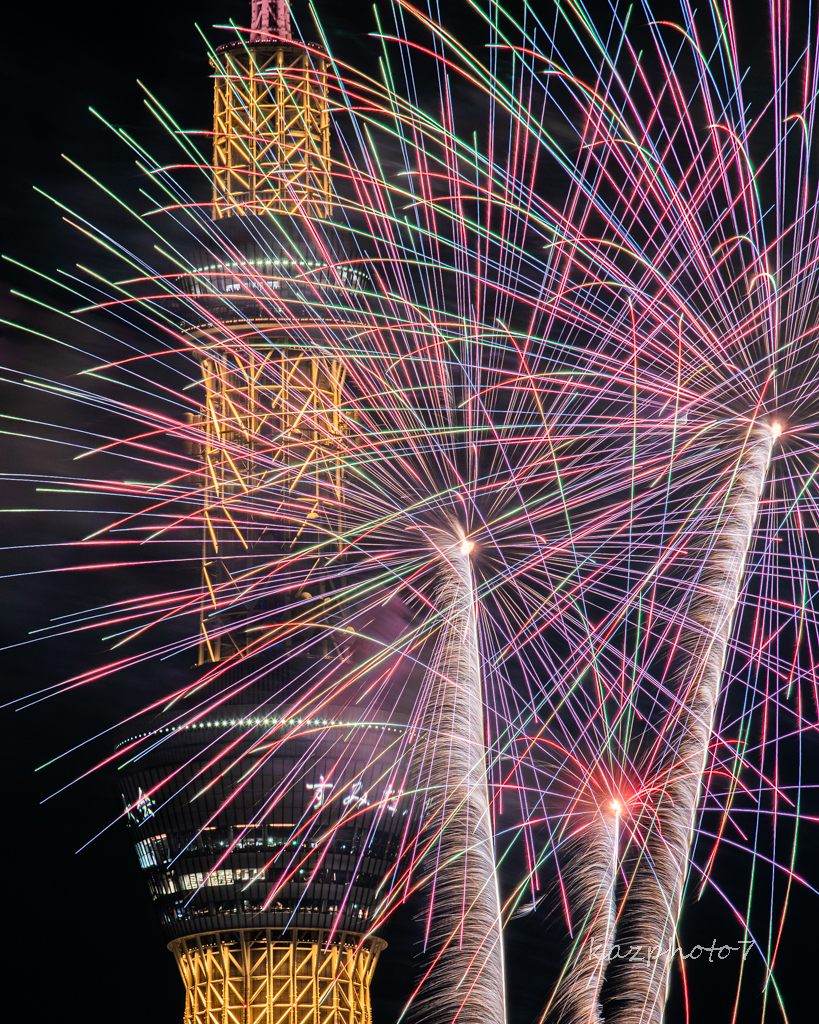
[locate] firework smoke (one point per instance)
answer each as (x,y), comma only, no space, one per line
(652,904)
(466,979)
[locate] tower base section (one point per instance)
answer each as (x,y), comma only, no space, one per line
(259,976)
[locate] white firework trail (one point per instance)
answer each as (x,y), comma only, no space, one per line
(465,979)
(651,907)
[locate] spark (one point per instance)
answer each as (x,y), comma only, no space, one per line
(587,380)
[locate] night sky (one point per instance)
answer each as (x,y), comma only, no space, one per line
(79,930)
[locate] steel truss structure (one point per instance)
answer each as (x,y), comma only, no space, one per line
(270,424)
(256,976)
(271,131)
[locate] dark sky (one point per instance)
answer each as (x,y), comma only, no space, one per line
(80,936)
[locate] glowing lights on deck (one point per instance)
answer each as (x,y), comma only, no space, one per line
(268,723)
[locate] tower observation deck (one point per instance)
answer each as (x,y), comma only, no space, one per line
(267,851)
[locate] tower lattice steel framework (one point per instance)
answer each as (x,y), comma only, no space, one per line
(271,151)
(271,132)
(256,976)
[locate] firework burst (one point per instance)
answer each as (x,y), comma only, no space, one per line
(570,347)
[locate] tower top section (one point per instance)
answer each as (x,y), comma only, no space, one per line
(271,122)
(263,23)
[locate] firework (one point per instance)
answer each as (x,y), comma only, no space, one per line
(590,894)
(688,275)
(653,899)
(468,979)
(546,376)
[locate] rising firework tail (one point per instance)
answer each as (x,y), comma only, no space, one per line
(651,906)
(590,897)
(466,978)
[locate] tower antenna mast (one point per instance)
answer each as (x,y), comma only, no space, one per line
(262,16)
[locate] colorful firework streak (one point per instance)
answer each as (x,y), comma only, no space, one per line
(567,435)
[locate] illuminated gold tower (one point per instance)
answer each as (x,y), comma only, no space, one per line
(271,423)
(271,151)
(271,125)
